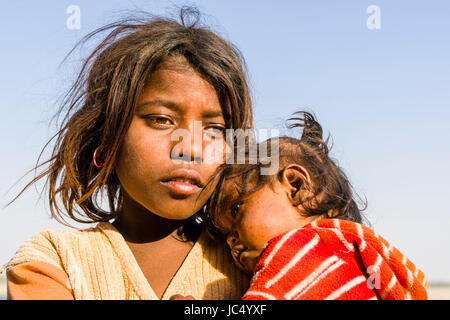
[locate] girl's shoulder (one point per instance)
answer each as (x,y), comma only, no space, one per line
(89,262)
(53,246)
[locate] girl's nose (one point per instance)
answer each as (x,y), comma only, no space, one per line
(190,149)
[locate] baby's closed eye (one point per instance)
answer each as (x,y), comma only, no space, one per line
(234,210)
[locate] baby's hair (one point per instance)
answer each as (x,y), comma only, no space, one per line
(331,193)
(99,106)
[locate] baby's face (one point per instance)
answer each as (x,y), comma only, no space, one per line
(250,222)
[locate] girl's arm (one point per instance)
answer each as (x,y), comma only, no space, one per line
(37,280)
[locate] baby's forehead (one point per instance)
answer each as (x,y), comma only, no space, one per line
(238,187)
(232,189)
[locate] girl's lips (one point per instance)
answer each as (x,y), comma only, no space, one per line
(182,188)
(185,175)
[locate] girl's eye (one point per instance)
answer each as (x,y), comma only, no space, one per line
(158,120)
(215,130)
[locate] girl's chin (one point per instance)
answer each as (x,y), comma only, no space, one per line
(181,211)
(179,216)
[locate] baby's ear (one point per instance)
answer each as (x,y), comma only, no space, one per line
(294,177)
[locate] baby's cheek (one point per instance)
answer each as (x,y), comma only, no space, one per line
(256,234)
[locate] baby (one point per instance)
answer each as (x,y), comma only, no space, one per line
(299,231)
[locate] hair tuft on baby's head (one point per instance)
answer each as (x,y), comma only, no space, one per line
(312,130)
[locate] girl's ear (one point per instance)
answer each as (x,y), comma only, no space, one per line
(294,177)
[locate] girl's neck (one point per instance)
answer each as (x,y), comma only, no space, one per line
(139,225)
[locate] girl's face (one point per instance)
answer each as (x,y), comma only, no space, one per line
(258,217)
(175,98)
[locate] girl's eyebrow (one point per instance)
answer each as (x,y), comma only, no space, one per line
(214,113)
(160,102)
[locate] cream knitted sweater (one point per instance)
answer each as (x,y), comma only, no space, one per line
(100,265)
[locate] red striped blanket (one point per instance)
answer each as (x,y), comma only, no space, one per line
(334,259)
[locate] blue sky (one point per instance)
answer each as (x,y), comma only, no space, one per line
(384,95)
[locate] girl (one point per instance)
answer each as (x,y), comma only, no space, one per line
(298,231)
(147,79)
